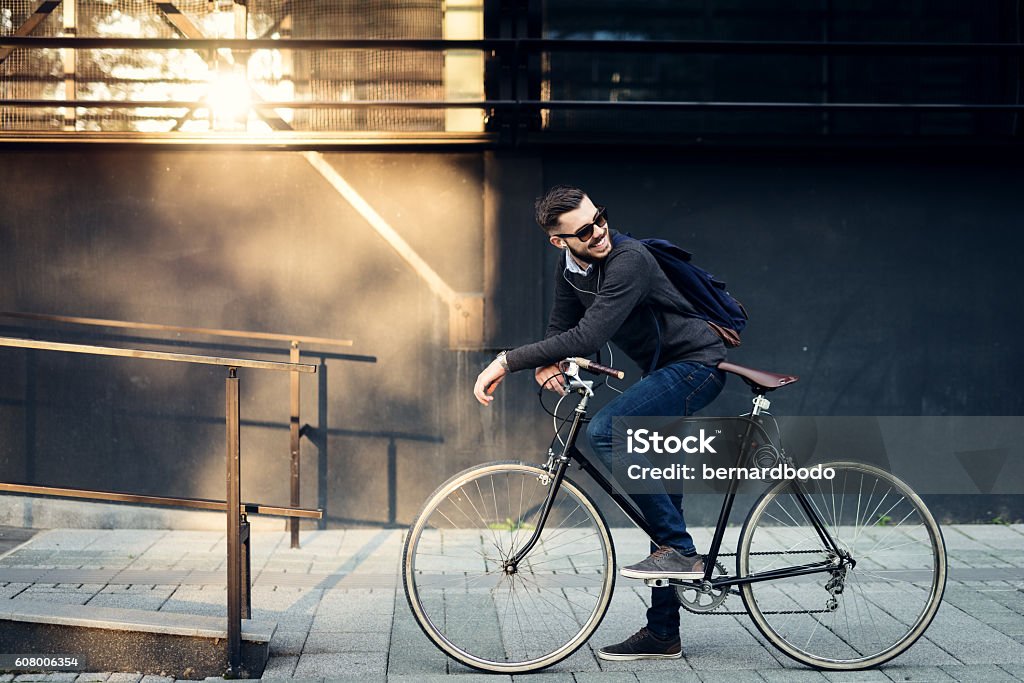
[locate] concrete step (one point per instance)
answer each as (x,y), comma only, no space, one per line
(131,640)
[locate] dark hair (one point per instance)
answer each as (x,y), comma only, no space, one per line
(558,200)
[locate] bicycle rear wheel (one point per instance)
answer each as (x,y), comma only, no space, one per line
(871,612)
(454,569)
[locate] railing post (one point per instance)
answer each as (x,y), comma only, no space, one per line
(325,437)
(293,523)
(233,500)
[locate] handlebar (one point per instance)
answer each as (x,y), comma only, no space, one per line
(598,368)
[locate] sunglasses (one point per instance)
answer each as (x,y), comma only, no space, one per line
(587,231)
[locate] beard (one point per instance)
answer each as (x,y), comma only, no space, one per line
(583,252)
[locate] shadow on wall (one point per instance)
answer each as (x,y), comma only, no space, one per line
(244,241)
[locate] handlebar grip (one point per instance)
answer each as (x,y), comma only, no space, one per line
(598,368)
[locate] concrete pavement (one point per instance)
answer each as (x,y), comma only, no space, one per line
(341,613)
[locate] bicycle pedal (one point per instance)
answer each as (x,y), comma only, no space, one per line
(657,583)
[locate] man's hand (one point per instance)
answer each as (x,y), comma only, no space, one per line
(487,381)
(550,378)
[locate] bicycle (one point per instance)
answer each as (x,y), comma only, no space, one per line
(510,567)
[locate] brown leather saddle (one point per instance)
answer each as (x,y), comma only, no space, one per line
(760,381)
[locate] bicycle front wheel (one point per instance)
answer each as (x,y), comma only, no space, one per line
(466,600)
(854,617)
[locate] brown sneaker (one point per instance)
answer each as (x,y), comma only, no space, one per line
(642,645)
(666,563)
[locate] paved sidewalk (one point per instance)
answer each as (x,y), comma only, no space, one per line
(341,611)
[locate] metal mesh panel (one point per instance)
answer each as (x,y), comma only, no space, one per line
(30,74)
(196,75)
(368,74)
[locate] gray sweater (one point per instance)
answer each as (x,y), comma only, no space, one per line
(613,301)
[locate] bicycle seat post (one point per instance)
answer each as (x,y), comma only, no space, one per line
(760,403)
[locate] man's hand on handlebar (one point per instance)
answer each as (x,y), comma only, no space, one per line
(550,378)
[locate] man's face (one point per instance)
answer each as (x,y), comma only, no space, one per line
(589,251)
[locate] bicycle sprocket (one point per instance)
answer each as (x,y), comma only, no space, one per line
(699,597)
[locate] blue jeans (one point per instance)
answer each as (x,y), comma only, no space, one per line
(677,389)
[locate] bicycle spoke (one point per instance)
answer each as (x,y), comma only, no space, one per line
(839,619)
(496,620)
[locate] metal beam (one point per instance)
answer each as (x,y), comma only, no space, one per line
(70,58)
(262,104)
(39,16)
(637,105)
(465,311)
(534,45)
(381,226)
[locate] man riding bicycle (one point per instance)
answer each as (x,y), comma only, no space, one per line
(617,292)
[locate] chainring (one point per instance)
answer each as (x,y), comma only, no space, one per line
(700,600)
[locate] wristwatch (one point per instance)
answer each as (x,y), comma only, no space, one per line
(502,360)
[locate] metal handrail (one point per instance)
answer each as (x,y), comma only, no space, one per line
(170,501)
(102,322)
(293,340)
(238,538)
(16,342)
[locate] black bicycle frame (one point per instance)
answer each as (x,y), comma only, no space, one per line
(571,453)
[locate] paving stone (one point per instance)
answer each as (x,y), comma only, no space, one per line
(157,679)
(729,648)
(871,675)
(63,676)
(1016,671)
(124,678)
(741,676)
(337,622)
(543,677)
(92,678)
(682,676)
(287,642)
(988,673)
(280,667)
(980,624)
(333,641)
(416,654)
(581,661)
(606,677)
(471,677)
(970,640)
(917,673)
(341,664)
(792,676)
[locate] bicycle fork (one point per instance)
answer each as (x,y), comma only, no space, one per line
(556,471)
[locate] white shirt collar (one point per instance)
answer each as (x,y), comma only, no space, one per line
(573,267)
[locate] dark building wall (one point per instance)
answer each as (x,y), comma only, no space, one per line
(888,283)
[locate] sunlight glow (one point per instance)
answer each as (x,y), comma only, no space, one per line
(230,98)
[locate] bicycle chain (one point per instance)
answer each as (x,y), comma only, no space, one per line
(792,611)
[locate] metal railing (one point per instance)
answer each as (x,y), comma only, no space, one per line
(238,535)
(513,104)
(294,342)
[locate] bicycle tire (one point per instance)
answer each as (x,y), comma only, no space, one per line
(886,601)
(465,602)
